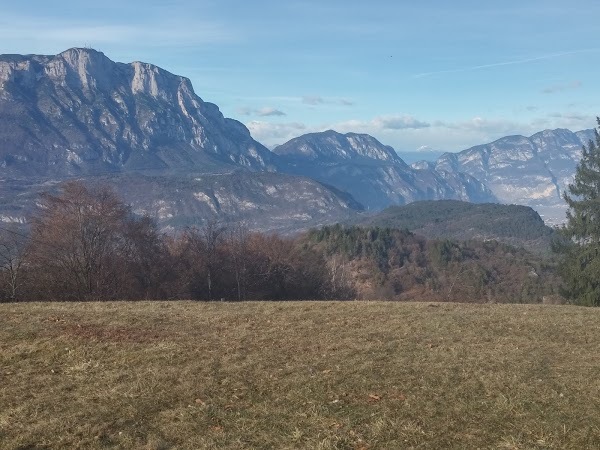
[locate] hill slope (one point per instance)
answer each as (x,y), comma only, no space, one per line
(516,225)
(298,375)
(263,201)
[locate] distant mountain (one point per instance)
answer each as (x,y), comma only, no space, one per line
(531,171)
(372,172)
(515,225)
(80,113)
(419,156)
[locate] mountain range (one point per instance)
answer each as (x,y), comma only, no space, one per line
(372,172)
(177,158)
(532,171)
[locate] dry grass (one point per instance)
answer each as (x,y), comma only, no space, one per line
(298,375)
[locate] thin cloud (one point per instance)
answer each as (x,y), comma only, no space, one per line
(312,100)
(572,118)
(383,123)
(407,133)
(64,34)
(562,87)
(315,100)
(275,133)
(265,111)
(399,123)
(504,63)
(485,126)
(426,149)
(270,112)
(244,111)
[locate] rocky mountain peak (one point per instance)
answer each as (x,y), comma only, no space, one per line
(372,172)
(80,112)
(333,146)
(81,68)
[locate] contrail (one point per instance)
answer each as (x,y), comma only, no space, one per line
(505,63)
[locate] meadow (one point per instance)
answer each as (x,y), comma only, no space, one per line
(285,375)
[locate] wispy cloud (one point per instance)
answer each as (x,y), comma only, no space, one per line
(266,111)
(310,100)
(399,122)
(382,123)
(573,119)
(505,63)
(314,100)
(481,125)
(270,133)
(62,33)
(426,149)
(562,87)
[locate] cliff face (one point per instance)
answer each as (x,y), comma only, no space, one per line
(80,113)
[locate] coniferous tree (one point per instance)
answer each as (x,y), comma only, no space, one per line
(580,266)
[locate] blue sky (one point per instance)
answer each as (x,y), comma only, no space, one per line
(442,75)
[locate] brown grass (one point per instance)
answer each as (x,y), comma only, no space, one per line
(298,375)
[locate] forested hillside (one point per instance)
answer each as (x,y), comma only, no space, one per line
(396,264)
(516,225)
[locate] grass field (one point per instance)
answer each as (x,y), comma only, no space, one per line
(309,375)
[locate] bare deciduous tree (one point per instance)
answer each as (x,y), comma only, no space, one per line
(205,245)
(238,240)
(13,247)
(83,240)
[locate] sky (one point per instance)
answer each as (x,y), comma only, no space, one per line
(427,76)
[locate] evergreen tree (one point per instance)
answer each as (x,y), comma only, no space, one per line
(580,266)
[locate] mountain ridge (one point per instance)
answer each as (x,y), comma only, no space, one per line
(79,112)
(371,171)
(532,171)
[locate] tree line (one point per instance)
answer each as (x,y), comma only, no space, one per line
(86,244)
(393,264)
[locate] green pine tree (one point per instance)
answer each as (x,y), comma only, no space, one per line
(580,265)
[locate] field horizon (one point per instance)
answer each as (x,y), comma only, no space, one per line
(322,375)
